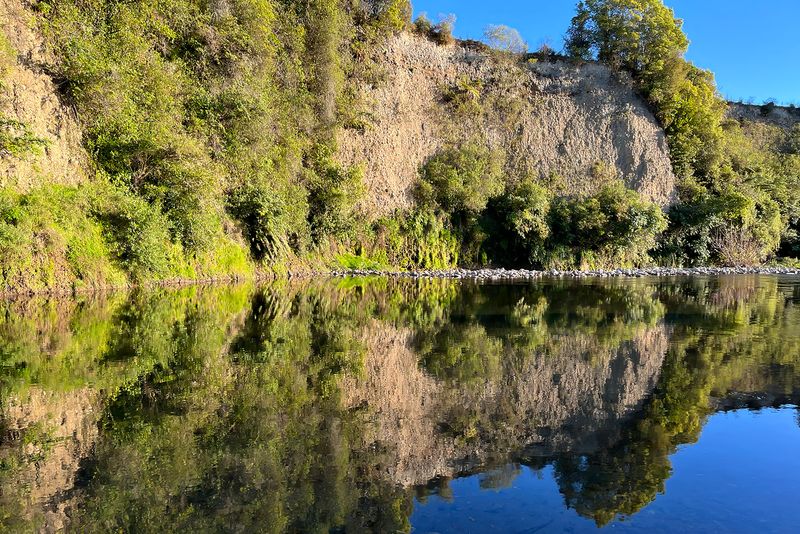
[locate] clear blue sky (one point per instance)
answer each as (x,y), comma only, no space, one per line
(753,46)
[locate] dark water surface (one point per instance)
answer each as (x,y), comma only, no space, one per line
(374,405)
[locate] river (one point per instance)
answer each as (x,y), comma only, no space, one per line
(654,404)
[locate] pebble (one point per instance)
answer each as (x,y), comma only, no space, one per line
(525,274)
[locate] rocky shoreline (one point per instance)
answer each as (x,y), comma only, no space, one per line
(524,274)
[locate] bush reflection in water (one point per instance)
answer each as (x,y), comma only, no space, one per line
(331,405)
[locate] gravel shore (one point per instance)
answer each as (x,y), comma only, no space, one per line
(524,274)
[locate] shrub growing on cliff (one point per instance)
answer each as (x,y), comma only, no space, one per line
(17,140)
(461,180)
(391,15)
(416,239)
(138,232)
(333,195)
(269,216)
(135,75)
(614,226)
(522,228)
(48,238)
(440,33)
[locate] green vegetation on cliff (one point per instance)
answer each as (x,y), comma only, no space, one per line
(740,183)
(211,131)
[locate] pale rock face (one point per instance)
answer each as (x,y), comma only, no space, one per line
(31,97)
(549,117)
(782,116)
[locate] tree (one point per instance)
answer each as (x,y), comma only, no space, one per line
(641,36)
(579,41)
(505,39)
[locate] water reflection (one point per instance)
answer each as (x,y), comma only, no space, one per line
(335,406)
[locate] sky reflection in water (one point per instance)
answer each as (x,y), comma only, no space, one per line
(374,405)
(741,476)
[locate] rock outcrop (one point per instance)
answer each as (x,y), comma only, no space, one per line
(550,117)
(785,117)
(30,97)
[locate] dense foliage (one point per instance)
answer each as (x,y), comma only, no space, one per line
(211,132)
(509,221)
(740,184)
(210,126)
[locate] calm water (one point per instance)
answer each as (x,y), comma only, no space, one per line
(647,405)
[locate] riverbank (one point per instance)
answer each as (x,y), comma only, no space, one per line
(525,274)
(494,274)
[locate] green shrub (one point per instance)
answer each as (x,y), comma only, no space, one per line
(522,228)
(416,239)
(197,109)
(464,98)
(183,102)
(692,117)
(17,140)
(98,235)
(391,15)
(48,240)
(269,217)
(359,262)
(461,180)
(764,164)
(614,227)
(701,216)
(440,33)
(423,25)
(138,233)
(792,145)
(130,92)
(333,196)
(325,24)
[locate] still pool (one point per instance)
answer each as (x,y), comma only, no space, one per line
(429,406)
(739,477)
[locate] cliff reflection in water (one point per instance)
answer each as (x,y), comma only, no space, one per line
(333,405)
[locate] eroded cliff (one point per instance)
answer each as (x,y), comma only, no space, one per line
(552,118)
(31,100)
(784,117)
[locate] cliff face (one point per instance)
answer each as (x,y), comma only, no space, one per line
(30,96)
(784,117)
(549,117)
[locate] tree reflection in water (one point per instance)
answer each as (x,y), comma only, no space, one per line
(333,405)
